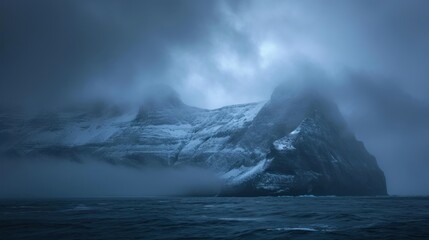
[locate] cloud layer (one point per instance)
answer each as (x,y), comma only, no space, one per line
(370,55)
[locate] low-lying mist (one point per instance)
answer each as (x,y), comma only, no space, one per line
(42,178)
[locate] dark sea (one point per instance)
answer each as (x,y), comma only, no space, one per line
(217,218)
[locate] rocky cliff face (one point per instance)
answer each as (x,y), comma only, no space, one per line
(296,143)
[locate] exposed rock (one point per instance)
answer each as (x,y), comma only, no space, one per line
(297,143)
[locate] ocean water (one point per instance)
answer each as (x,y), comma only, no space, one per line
(217,218)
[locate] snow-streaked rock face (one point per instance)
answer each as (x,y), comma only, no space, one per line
(296,143)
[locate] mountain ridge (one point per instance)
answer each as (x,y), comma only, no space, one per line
(297,143)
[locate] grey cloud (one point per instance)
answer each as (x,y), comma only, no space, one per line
(56,49)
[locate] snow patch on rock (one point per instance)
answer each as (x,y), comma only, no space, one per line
(241,174)
(286,143)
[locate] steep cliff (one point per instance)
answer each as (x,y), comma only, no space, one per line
(296,143)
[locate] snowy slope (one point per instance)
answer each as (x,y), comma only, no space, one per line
(296,143)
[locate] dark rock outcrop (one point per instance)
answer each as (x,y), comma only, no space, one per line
(297,143)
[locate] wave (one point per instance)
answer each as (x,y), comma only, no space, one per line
(238,219)
(309,228)
(298,229)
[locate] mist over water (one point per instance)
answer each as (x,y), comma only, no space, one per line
(59,178)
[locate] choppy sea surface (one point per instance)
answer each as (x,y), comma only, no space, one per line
(217,218)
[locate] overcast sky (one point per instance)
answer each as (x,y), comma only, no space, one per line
(372,56)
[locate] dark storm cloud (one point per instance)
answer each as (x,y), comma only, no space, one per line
(56,49)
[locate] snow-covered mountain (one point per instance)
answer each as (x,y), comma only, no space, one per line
(296,143)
